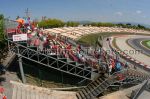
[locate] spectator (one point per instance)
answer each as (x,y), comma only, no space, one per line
(1,96)
(110,69)
(83,59)
(134,66)
(126,65)
(118,66)
(4,97)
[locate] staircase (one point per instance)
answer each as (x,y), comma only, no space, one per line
(97,87)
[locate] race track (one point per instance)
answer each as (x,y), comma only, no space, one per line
(136,44)
(131,47)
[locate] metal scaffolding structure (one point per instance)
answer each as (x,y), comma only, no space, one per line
(45,58)
(52,61)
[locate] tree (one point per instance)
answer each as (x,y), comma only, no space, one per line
(3,49)
(141,26)
(1,27)
(2,39)
(72,24)
(129,24)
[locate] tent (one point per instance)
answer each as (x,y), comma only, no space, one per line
(20,20)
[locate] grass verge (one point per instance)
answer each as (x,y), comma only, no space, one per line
(146,43)
(90,39)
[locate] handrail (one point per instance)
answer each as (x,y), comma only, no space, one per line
(124,72)
(137,94)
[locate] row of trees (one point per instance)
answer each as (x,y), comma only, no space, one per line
(52,23)
(128,25)
(72,24)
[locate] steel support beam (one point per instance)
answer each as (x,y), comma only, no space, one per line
(20,66)
(21,69)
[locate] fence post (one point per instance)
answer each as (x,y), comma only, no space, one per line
(40,77)
(21,69)
(20,66)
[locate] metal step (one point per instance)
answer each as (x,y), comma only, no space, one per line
(81,94)
(78,96)
(88,94)
(95,84)
(89,88)
(92,85)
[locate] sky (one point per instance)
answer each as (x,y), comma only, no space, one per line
(80,10)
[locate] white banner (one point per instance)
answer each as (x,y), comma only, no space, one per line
(20,37)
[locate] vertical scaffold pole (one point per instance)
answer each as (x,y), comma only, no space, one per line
(21,67)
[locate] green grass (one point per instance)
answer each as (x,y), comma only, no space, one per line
(146,43)
(90,39)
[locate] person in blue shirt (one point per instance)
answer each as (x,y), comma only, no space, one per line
(118,66)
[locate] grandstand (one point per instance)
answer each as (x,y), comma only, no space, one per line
(77,32)
(57,49)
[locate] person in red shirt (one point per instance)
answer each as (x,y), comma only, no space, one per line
(78,48)
(68,47)
(112,62)
(4,97)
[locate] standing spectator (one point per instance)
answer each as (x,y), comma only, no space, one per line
(99,52)
(110,69)
(83,59)
(126,65)
(134,66)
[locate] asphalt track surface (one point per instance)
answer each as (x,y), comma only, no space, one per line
(136,44)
